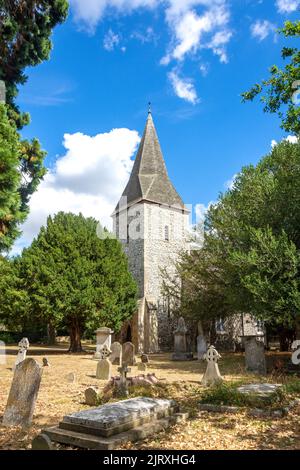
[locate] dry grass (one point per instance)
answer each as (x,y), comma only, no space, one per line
(58,397)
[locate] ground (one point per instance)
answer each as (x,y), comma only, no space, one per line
(203,431)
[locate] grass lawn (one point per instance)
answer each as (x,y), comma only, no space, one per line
(204,430)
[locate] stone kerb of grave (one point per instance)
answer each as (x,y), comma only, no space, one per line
(113,424)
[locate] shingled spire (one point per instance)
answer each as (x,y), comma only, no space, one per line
(149,180)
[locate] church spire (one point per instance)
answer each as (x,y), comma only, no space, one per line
(149,178)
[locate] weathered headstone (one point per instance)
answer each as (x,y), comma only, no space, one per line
(46,363)
(181,352)
(255,354)
(23,394)
(145,358)
(23,346)
(42,442)
(142,366)
(116,353)
(91,396)
(128,354)
(103,338)
(212,374)
(201,342)
(2,353)
(70,377)
(123,386)
(103,369)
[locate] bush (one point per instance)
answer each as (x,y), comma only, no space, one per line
(227,394)
(7,338)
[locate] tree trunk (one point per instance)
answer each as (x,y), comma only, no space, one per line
(51,335)
(75,338)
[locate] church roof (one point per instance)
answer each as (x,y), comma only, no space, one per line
(149,178)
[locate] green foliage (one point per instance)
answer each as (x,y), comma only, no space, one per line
(10,180)
(75,279)
(227,394)
(280,87)
(293,387)
(7,338)
(25,40)
(249,261)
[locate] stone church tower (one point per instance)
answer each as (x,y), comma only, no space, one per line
(151,221)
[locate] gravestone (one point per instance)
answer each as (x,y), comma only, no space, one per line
(91,396)
(23,394)
(103,338)
(255,354)
(212,374)
(181,352)
(103,369)
(23,346)
(145,358)
(113,424)
(128,354)
(201,342)
(42,442)
(46,363)
(261,390)
(71,377)
(116,353)
(123,385)
(142,366)
(2,353)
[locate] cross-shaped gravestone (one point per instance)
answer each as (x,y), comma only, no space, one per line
(124,370)
(212,374)
(105,352)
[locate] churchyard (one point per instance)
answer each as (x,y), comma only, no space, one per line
(65,380)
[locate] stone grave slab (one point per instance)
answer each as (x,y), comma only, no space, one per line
(260,389)
(107,426)
(113,418)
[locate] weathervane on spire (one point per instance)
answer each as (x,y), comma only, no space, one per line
(149,107)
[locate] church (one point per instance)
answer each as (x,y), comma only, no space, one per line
(151,222)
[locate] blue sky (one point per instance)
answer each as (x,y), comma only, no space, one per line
(191,58)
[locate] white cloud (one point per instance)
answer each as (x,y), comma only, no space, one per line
(111,40)
(193,24)
(261,29)
(290,138)
(287,6)
(146,36)
(89,179)
(204,69)
(90,12)
(183,87)
(230,183)
(192,31)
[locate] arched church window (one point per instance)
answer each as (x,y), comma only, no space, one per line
(167,233)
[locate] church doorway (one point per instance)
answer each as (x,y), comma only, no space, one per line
(128,334)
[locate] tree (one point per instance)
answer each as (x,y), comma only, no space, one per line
(25,40)
(75,279)
(10,198)
(250,258)
(281,89)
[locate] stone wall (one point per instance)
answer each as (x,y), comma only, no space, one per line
(157,234)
